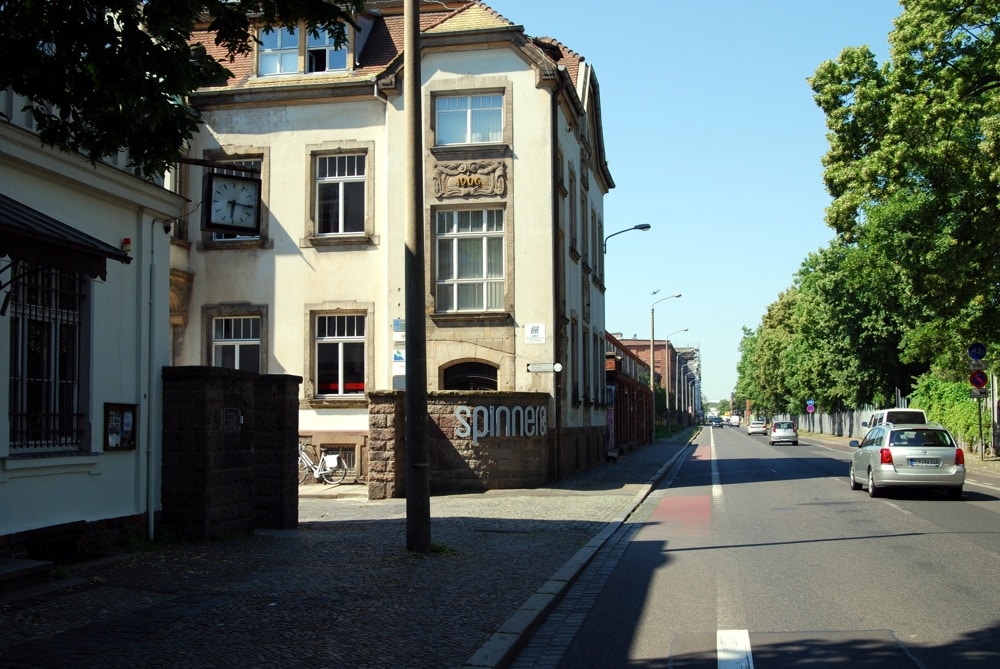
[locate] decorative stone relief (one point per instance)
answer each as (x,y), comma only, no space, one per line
(472,177)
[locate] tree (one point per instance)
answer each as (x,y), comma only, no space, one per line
(102,77)
(914,148)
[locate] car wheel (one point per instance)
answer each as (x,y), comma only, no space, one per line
(854,482)
(873,490)
(955,493)
(770,443)
(795,443)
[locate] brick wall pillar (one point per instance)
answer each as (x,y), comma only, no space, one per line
(274,442)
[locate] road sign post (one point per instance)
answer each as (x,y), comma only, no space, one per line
(979,381)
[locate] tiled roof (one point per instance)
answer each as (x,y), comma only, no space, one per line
(385,43)
(473,16)
(563,55)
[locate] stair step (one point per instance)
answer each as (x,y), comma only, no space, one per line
(16,574)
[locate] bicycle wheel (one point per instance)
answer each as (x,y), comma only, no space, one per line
(305,473)
(335,476)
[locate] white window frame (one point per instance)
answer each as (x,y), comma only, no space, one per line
(474,108)
(237,336)
(323,45)
(340,171)
(458,230)
(284,52)
(339,330)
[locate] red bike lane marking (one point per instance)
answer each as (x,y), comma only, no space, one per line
(687,514)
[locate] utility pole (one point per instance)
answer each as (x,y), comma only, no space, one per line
(418,476)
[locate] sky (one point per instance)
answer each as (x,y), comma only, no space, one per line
(713,138)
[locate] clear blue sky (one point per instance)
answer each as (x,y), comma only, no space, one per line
(713,138)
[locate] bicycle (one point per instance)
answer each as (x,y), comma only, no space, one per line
(330,469)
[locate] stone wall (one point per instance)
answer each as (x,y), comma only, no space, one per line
(477,440)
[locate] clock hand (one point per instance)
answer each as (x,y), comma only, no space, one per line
(232,208)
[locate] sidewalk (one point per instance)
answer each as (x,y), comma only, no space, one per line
(340,590)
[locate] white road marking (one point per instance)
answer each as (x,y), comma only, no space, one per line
(981,484)
(716,481)
(732,649)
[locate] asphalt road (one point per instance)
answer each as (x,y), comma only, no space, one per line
(756,555)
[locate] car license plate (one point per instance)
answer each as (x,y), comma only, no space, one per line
(924,462)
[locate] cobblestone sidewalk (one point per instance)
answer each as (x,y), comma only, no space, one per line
(339,591)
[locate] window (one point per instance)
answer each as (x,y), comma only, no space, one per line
(470,376)
(340,355)
(469,119)
(470,260)
(322,55)
(340,194)
(236,343)
(46,327)
(574,234)
(279,52)
(252,164)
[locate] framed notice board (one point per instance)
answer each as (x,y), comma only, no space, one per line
(120,424)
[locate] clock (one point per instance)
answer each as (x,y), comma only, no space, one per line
(231,204)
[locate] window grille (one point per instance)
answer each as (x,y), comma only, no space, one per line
(46,325)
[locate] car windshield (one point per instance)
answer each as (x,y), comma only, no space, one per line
(921,438)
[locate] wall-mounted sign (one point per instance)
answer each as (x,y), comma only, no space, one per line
(496,421)
(534,333)
(120,423)
(545,367)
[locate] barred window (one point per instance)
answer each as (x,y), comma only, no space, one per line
(45,373)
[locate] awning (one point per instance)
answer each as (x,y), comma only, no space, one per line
(30,235)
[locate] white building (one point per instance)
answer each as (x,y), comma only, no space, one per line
(84,333)
(514,180)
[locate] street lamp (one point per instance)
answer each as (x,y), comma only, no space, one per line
(652,361)
(640,226)
(666,382)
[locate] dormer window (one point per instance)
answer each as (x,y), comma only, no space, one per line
(293,51)
(323,56)
(279,52)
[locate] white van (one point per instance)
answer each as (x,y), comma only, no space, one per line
(898,416)
(734,420)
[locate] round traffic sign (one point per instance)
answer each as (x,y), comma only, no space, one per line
(978,379)
(810,408)
(977,351)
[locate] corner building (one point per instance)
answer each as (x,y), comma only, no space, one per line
(514,180)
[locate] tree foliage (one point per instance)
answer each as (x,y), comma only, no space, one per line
(913,274)
(102,77)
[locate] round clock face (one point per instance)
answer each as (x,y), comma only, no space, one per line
(234,202)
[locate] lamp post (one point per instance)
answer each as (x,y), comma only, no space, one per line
(639,226)
(666,382)
(652,362)
(677,381)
